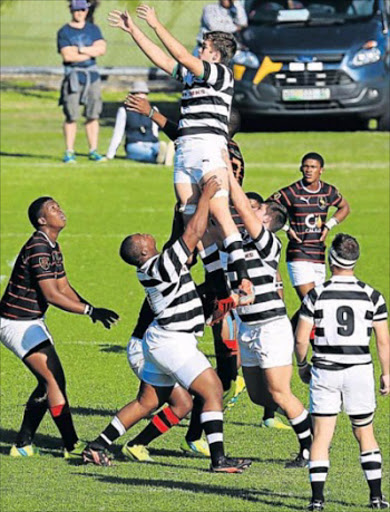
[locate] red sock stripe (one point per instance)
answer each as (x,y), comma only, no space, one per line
(159,424)
(312,334)
(57,410)
(231,344)
(171,416)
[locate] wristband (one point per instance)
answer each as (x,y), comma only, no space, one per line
(332,222)
(303,363)
(152,111)
(88,309)
(286,228)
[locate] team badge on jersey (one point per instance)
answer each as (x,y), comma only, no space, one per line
(276,196)
(322,203)
(44,262)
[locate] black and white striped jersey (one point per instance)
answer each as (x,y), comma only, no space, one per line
(262,258)
(205,102)
(343,310)
(171,291)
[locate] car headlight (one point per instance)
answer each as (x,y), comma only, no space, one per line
(366,56)
(247,59)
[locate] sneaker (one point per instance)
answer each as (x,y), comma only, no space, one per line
(300,461)
(95,455)
(199,447)
(69,157)
(29,450)
(227,465)
(316,505)
(95,157)
(274,423)
(228,395)
(247,293)
(239,388)
(379,503)
(137,452)
(77,451)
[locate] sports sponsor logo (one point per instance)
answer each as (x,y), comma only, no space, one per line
(305,199)
(322,203)
(276,196)
(313,223)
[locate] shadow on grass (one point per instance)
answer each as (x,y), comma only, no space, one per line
(26,90)
(89,411)
(44,442)
(28,155)
(115,349)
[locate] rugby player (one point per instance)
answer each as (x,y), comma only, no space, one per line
(265,334)
(170,345)
(344,312)
(308,201)
(203,128)
(39,279)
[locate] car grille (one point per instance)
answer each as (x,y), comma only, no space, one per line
(309,78)
(311,105)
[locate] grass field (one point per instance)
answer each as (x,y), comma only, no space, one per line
(104,203)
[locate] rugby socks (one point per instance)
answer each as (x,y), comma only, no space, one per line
(372,466)
(195,428)
(302,427)
(226,356)
(318,471)
(34,412)
(234,248)
(215,275)
(160,424)
(212,422)
(63,419)
(114,430)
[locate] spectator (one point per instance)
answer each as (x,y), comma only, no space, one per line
(226,15)
(142,142)
(80,42)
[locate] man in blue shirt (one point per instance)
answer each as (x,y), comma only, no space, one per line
(79,43)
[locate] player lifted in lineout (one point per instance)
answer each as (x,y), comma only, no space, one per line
(203,130)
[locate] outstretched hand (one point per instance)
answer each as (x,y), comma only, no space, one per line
(122,20)
(144,12)
(106,316)
(211,186)
(137,104)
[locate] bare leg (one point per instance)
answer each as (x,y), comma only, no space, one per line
(92,131)
(70,130)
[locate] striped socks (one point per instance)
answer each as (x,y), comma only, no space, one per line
(114,430)
(372,466)
(234,248)
(318,471)
(302,427)
(160,424)
(212,422)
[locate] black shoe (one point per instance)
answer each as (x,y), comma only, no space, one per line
(379,503)
(97,455)
(227,465)
(300,461)
(316,505)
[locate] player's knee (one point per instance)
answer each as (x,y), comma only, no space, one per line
(361,420)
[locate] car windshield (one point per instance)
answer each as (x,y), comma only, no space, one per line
(295,11)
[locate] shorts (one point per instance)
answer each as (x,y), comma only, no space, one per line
(267,345)
(197,156)
(352,390)
(304,272)
(171,357)
(135,356)
(21,336)
(71,102)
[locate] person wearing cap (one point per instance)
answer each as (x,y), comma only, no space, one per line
(344,312)
(142,144)
(79,42)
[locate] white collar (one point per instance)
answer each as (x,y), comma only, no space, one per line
(311,191)
(343,278)
(47,238)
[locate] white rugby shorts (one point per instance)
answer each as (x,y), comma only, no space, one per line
(196,156)
(351,389)
(267,345)
(171,357)
(304,272)
(21,336)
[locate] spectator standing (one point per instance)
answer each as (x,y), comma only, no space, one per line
(141,132)
(79,42)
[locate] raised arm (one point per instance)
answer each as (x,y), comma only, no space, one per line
(197,226)
(123,20)
(383,346)
(175,48)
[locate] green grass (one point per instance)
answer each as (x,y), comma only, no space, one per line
(29,30)
(104,203)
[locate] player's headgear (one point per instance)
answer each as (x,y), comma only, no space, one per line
(278,214)
(313,156)
(35,210)
(224,42)
(344,251)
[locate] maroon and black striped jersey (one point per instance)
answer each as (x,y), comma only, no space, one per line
(38,259)
(307,213)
